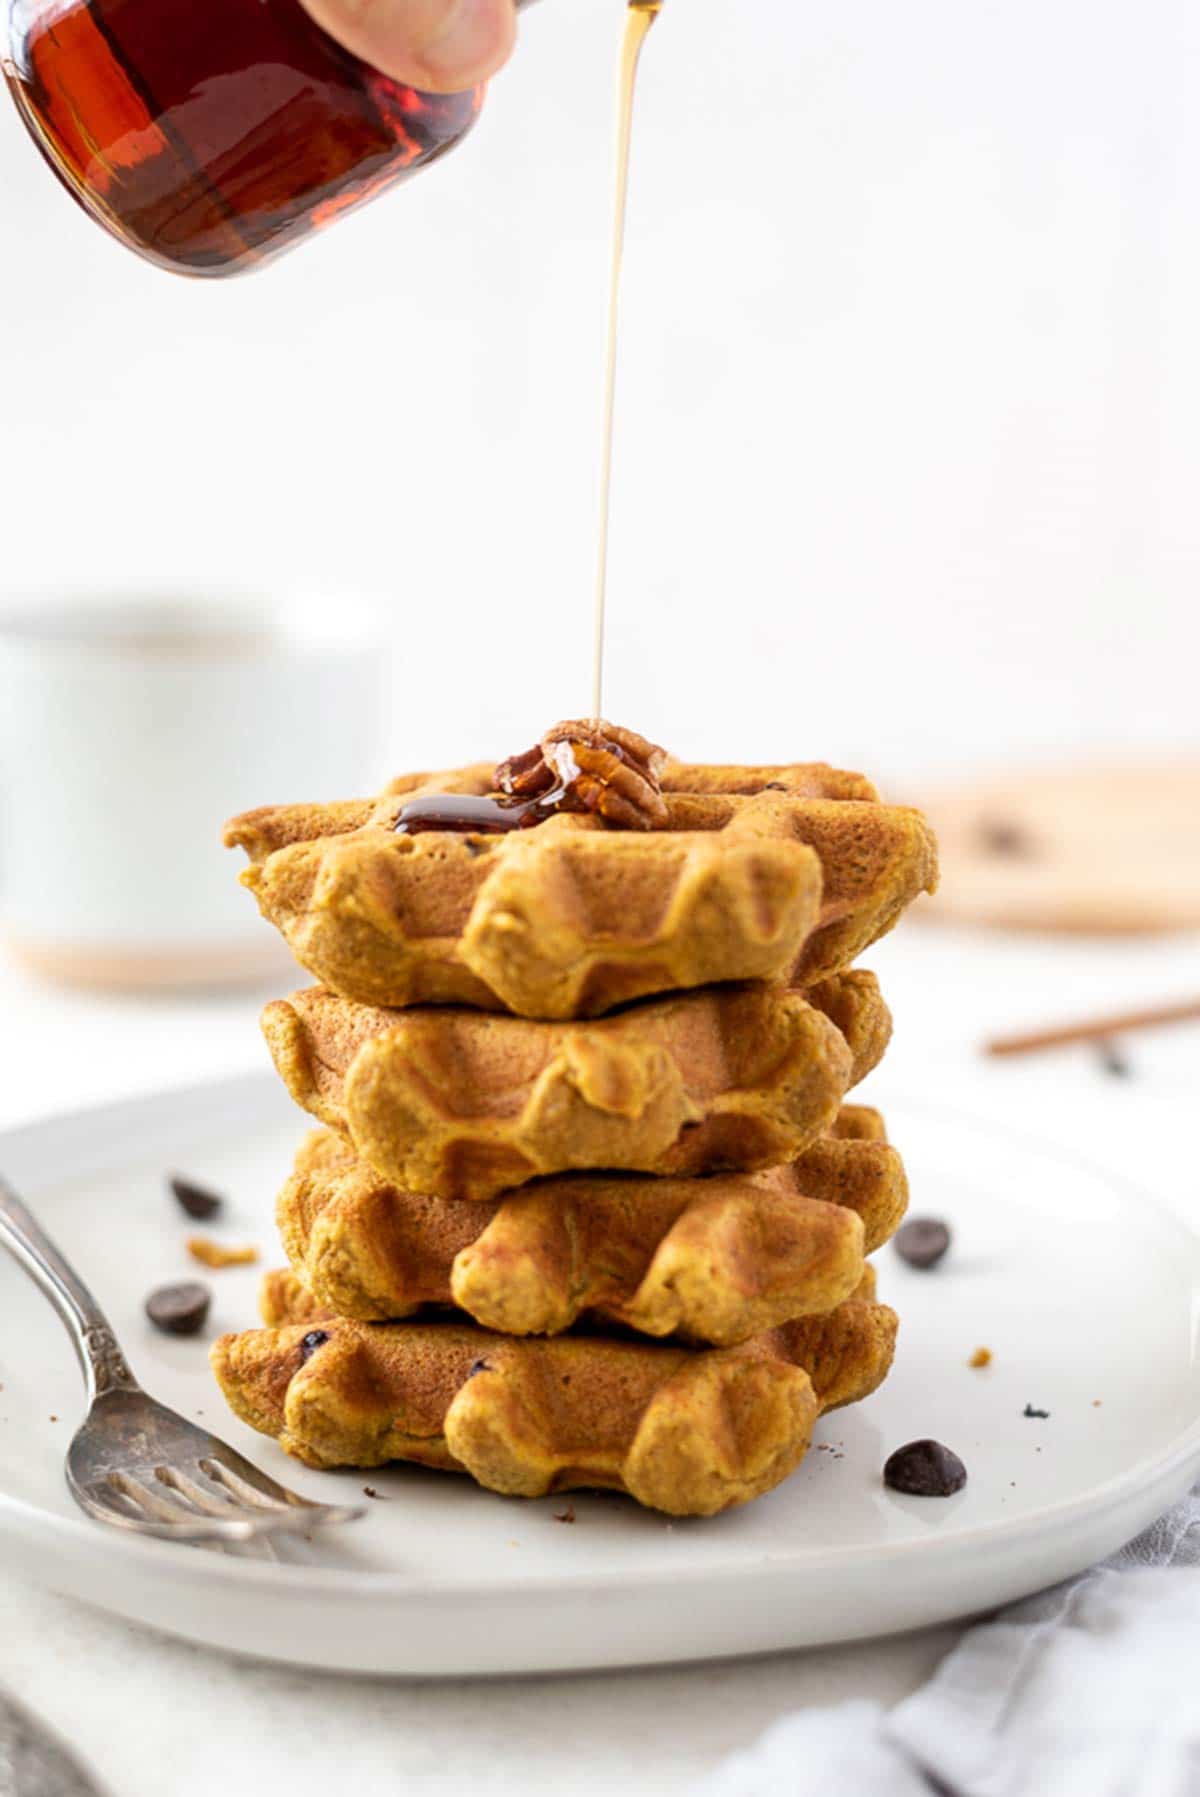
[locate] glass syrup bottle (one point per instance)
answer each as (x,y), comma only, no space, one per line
(212,135)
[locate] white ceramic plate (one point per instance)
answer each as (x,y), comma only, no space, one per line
(1085,1293)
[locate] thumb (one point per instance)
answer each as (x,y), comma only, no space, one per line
(441,46)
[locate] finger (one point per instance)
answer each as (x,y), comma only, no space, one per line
(441,46)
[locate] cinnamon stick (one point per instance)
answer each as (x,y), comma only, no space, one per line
(1095,1029)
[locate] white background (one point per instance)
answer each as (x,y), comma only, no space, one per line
(910,414)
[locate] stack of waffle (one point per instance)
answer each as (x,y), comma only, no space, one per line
(588,1206)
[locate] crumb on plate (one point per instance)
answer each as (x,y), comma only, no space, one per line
(215,1254)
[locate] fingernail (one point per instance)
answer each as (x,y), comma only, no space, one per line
(473,41)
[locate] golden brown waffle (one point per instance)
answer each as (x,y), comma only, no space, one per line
(283,1298)
(763,873)
(464,1105)
(714,1260)
(854,1166)
(688,1432)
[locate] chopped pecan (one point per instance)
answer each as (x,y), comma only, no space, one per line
(588,766)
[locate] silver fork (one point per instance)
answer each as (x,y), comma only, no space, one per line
(134,1463)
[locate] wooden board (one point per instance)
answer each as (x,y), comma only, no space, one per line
(1103,851)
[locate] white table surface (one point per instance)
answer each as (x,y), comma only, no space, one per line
(155,1718)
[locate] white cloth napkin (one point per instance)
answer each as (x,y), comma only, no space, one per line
(1088,1690)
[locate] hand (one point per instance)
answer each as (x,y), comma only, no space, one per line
(442,46)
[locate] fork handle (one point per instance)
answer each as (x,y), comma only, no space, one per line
(91,1333)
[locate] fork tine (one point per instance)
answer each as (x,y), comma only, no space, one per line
(210,1499)
(126,1501)
(278,1505)
(252,1496)
(153,1503)
(108,1497)
(124,1498)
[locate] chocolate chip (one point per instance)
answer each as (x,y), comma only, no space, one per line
(370,1491)
(179,1309)
(479,1366)
(196,1200)
(925,1469)
(922,1241)
(316,1338)
(1032,1410)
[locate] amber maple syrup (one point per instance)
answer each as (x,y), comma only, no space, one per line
(640,17)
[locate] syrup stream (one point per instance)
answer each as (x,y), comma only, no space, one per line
(642,14)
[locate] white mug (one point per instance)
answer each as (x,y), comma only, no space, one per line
(129,730)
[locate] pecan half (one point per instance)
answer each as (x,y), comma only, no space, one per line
(589,766)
